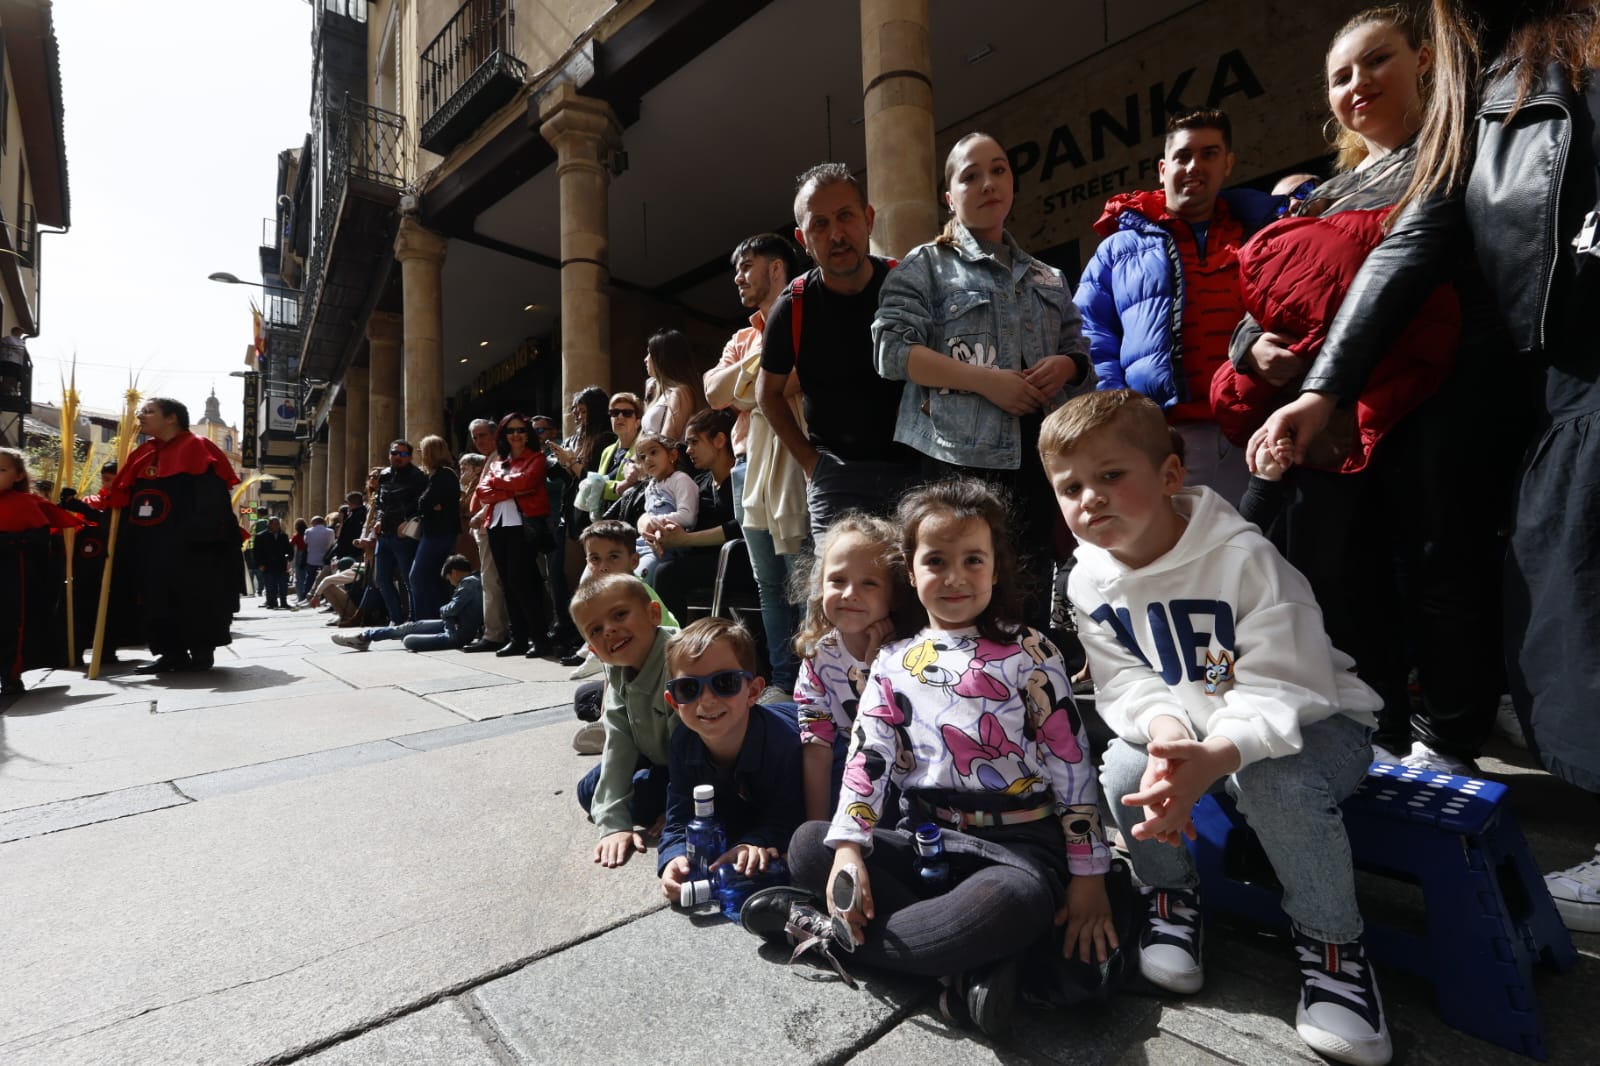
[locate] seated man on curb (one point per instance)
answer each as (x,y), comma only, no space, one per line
(626,795)
(459,622)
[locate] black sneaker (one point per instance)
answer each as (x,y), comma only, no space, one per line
(1340,1013)
(984,999)
(1170,945)
(786,914)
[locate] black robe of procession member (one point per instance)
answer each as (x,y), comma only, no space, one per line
(178,542)
(30,587)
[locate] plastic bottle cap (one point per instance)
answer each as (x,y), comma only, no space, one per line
(705,793)
(694,893)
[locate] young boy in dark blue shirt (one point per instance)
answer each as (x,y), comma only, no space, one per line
(748,752)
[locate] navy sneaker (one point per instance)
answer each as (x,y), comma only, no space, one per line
(1340,1013)
(1170,945)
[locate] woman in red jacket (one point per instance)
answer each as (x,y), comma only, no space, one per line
(1400,549)
(511,502)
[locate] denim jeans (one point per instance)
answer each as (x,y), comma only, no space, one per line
(1210,459)
(429,590)
(839,485)
(1292,803)
(390,564)
(741,467)
(302,579)
(779,617)
(649,800)
(426,634)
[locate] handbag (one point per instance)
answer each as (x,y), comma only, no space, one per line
(629,507)
(411,529)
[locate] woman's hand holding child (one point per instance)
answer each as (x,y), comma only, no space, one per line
(1091,932)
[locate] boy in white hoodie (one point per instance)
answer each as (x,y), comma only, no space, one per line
(1211,663)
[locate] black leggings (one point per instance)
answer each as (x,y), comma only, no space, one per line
(992,912)
(521,582)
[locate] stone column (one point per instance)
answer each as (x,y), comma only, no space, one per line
(897,91)
(383,384)
(421,255)
(338,475)
(357,457)
(583,131)
(316,478)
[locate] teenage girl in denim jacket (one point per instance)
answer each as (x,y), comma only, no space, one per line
(990,342)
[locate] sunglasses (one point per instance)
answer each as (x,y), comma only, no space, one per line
(724,683)
(396,451)
(523,430)
(623,412)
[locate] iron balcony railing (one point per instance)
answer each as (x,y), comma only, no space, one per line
(468,69)
(280,309)
(366,144)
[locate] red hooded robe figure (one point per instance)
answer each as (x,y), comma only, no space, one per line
(178,549)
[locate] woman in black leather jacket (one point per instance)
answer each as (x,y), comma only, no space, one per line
(1508,171)
(1402,554)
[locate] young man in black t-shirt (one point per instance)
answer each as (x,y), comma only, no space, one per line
(848,450)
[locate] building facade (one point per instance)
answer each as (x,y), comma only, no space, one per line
(33,191)
(498,201)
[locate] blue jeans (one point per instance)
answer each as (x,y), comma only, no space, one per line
(649,800)
(429,590)
(390,564)
(302,579)
(1292,803)
(741,467)
(839,485)
(779,617)
(426,634)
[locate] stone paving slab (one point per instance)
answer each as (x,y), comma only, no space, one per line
(253,925)
(441,1035)
(513,698)
(455,683)
(386,662)
(90,750)
(666,976)
(69,814)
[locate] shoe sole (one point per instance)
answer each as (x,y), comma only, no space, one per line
(1375,1050)
(1187,983)
(1578,917)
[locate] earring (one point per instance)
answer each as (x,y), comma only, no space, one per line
(1332,138)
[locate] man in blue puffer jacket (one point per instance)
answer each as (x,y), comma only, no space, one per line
(1161,296)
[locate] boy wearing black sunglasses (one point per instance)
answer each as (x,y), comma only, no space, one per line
(748,752)
(628,790)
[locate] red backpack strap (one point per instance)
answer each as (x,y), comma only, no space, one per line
(797,290)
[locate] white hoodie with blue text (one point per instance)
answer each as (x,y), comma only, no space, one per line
(1221,633)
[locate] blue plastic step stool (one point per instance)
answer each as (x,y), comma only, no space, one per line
(1490,917)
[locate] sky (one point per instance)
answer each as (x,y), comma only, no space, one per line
(174,116)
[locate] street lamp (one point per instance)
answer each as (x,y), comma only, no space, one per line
(231,279)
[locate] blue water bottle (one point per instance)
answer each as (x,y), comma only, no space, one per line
(705,841)
(933,869)
(733,887)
